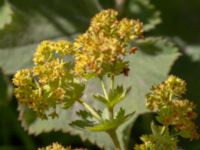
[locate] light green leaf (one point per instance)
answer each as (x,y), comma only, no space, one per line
(107,125)
(5,14)
(75,93)
(156,129)
(116,95)
(149,66)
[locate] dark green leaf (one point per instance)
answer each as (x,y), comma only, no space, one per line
(5,89)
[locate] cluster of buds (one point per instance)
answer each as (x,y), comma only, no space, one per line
(57,146)
(167,100)
(50,82)
(61,65)
(101,49)
(157,142)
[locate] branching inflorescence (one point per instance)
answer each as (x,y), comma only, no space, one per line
(175,115)
(59,66)
(61,71)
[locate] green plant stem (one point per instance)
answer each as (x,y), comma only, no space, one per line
(115,140)
(112,82)
(90,109)
(112,85)
(111,113)
(112,133)
(163,129)
(104,89)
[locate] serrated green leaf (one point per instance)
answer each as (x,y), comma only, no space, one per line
(74,94)
(120,113)
(81,123)
(143,10)
(116,95)
(86,119)
(5,14)
(146,69)
(101,98)
(84,114)
(108,125)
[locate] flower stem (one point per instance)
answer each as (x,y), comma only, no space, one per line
(112,82)
(90,109)
(164,128)
(115,140)
(104,89)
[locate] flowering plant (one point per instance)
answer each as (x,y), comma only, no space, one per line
(62,70)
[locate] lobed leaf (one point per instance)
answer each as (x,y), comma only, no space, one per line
(149,66)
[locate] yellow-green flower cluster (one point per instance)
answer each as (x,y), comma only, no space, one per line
(49,50)
(157,142)
(163,93)
(59,64)
(49,82)
(167,99)
(57,146)
(101,49)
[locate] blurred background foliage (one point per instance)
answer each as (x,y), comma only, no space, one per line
(24,23)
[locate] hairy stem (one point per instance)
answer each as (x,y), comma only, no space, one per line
(90,109)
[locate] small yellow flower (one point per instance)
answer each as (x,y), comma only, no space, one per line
(50,82)
(104,44)
(157,142)
(49,50)
(167,100)
(56,146)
